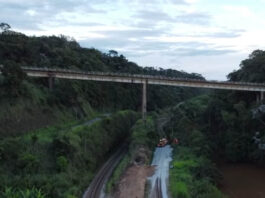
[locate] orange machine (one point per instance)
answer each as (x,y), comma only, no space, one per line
(175,141)
(162,142)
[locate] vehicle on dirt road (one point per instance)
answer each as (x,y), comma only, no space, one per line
(162,142)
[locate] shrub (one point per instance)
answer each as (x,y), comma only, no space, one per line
(28,162)
(180,190)
(61,163)
(27,193)
(192,176)
(205,189)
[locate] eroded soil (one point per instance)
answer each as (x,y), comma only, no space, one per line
(132,184)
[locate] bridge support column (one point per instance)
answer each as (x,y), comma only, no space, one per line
(144,101)
(257,97)
(262,96)
(51,82)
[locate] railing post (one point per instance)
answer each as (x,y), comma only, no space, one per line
(144,101)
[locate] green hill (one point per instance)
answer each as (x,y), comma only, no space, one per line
(27,104)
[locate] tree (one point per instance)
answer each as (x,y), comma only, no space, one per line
(5,27)
(113,53)
(13,77)
(251,69)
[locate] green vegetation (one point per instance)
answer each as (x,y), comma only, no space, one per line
(143,139)
(32,102)
(29,193)
(46,151)
(39,146)
(117,173)
(62,162)
(219,126)
(192,175)
(144,133)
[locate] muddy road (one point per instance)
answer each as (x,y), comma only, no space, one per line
(161,160)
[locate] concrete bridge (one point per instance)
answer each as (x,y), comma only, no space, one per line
(144,80)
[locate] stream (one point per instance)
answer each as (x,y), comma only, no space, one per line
(243,181)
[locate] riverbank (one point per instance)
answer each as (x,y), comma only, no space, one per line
(243,180)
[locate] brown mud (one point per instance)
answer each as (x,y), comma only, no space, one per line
(132,183)
(243,181)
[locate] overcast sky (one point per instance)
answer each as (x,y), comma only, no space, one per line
(209,37)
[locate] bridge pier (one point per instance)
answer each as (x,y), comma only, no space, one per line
(260,97)
(51,82)
(257,97)
(144,101)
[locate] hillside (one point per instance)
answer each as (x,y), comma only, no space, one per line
(53,141)
(27,103)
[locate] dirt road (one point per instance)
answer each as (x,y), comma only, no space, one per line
(132,184)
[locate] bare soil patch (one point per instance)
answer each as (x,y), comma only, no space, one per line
(132,183)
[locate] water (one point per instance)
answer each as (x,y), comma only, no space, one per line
(162,158)
(243,181)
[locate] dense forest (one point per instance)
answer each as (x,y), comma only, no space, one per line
(21,93)
(220,127)
(53,141)
(48,148)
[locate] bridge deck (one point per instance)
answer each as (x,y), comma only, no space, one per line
(137,78)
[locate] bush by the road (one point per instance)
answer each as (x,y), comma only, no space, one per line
(61,162)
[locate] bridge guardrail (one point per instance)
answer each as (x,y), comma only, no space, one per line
(139,76)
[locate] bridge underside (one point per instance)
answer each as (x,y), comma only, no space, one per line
(51,74)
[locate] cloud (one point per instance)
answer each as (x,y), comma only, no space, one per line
(202,52)
(134,33)
(133,43)
(149,31)
(156,2)
(154,17)
(196,18)
(233,33)
(32,14)
(224,34)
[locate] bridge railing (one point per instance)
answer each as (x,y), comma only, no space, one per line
(45,69)
(141,76)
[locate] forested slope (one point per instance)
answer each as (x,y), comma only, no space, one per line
(24,100)
(37,153)
(221,127)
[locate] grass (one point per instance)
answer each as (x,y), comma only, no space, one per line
(46,134)
(28,193)
(190,176)
(143,135)
(181,190)
(59,160)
